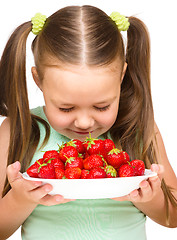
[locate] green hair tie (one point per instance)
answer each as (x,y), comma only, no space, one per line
(38,22)
(120,20)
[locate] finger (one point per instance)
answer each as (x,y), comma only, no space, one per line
(145,190)
(13,172)
(144,193)
(159,169)
(40,192)
(68,200)
(49,200)
(31,185)
(155,183)
(123,198)
(14,176)
(135,196)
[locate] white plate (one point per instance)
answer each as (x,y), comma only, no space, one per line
(94,188)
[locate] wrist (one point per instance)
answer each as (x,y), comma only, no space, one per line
(154,208)
(12,206)
(20,201)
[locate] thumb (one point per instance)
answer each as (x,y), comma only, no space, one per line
(159,169)
(13,171)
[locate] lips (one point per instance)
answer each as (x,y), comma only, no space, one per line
(83,133)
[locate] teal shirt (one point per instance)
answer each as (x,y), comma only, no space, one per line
(100,219)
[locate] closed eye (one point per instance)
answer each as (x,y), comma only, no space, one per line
(66,109)
(102,109)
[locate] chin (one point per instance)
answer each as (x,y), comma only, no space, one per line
(72,135)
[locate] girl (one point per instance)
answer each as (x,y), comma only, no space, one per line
(89,85)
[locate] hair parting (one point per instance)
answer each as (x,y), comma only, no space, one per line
(82,35)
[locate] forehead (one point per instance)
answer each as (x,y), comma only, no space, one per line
(70,82)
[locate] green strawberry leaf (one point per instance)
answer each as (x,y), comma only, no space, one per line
(71,143)
(41,165)
(69,160)
(90,141)
(61,146)
(115,151)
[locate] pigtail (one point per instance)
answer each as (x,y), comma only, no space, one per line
(138,59)
(14,98)
(136,117)
(134,126)
(24,130)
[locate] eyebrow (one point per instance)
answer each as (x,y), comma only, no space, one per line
(102,102)
(107,100)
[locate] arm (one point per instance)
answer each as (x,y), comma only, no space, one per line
(9,207)
(24,195)
(149,198)
(155,207)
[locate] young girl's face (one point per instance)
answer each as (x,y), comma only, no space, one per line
(79,99)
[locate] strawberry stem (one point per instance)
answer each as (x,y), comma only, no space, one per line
(41,165)
(60,146)
(90,141)
(104,161)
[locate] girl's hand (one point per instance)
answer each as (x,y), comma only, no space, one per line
(31,191)
(148,188)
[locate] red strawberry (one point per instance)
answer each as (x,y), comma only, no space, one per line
(97,172)
(115,158)
(67,152)
(32,171)
(77,144)
(84,173)
(59,173)
(50,154)
(138,166)
(73,173)
(57,163)
(110,171)
(86,155)
(46,170)
(94,146)
(93,161)
(54,156)
(125,156)
(126,170)
(108,145)
(74,162)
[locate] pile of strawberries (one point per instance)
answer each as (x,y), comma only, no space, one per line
(93,158)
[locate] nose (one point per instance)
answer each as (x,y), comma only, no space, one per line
(84,121)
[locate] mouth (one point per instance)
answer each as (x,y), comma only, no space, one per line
(82,133)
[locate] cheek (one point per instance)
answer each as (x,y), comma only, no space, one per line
(108,118)
(112,115)
(58,120)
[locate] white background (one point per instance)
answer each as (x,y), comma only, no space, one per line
(160,18)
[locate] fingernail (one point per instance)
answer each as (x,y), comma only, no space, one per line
(15,165)
(48,189)
(37,184)
(144,184)
(135,194)
(155,168)
(59,198)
